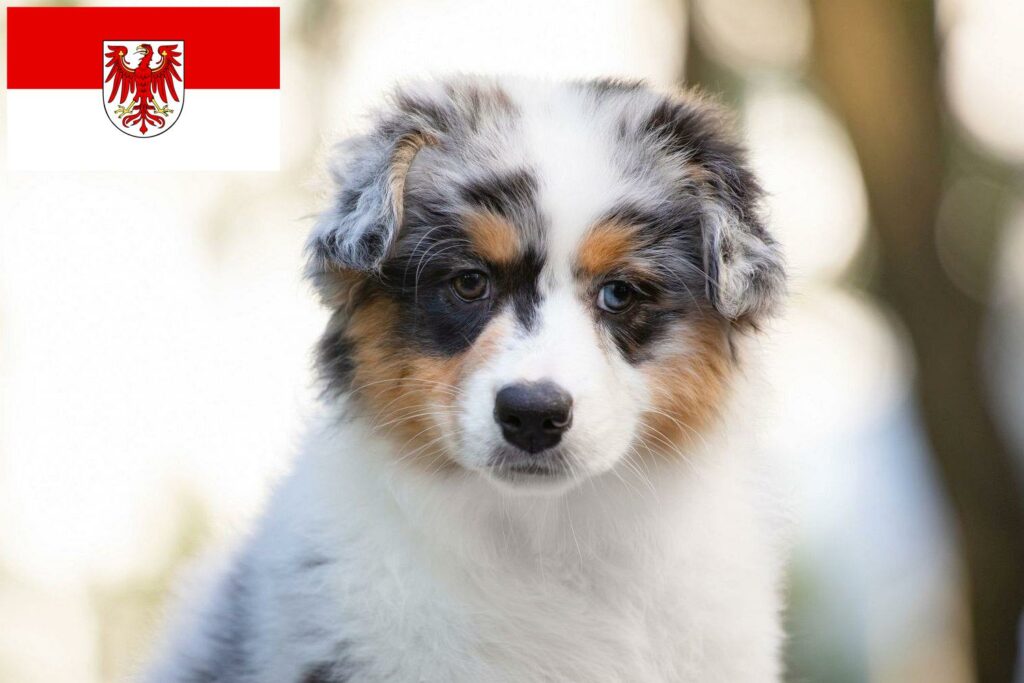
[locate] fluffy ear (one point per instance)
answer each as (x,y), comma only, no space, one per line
(746,275)
(357,232)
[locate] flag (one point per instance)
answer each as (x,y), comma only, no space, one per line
(143,88)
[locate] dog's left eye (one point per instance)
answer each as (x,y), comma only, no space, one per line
(616,296)
(470,285)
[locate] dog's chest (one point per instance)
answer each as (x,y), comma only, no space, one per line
(462,593)
(548,622)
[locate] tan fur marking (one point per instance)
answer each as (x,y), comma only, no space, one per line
(689,388)
(605,247)
(493,237)
(405,152)
(411,397)
(341,286)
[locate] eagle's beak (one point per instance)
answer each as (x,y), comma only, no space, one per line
(140,49)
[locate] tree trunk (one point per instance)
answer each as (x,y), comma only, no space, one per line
(878,60)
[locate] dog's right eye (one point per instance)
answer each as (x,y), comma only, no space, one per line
(471,285)
(616,296)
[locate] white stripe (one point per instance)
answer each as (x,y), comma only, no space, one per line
(218,130)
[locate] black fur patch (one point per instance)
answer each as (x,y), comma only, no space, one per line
(339,671)
(500,194)
(440,116)
(229,633)
(606,86)
(520,284)
(334,356)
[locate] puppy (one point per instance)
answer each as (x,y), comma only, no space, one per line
(530,464)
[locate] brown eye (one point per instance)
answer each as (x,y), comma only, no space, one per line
(470,286)
(616,296)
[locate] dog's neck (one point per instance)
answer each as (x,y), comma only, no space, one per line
(634,514)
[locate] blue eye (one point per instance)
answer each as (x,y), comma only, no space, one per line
(470,285)
(616,296)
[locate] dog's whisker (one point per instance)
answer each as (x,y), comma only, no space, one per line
(401,381)
(414,416)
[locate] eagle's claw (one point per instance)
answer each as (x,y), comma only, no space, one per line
(123,111)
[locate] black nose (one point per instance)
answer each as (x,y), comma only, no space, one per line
(534,415)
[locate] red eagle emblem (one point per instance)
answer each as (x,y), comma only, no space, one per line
(140,78)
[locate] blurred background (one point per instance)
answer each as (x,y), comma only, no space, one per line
(155,351)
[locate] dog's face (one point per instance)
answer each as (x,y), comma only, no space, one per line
(540,283)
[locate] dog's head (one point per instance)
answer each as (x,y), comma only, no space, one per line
(538,282)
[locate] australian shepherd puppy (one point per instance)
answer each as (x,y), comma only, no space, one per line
(530,464)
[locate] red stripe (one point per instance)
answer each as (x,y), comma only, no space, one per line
(225,47)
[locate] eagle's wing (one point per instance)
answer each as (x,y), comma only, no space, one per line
(118,70)
(165,74)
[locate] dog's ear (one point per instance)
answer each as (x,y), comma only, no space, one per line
(746,274)
(359,229)
(744,267)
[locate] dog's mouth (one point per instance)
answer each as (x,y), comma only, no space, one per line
(517,466)
(533,469)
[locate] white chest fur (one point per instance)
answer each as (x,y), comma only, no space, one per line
(664,574)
